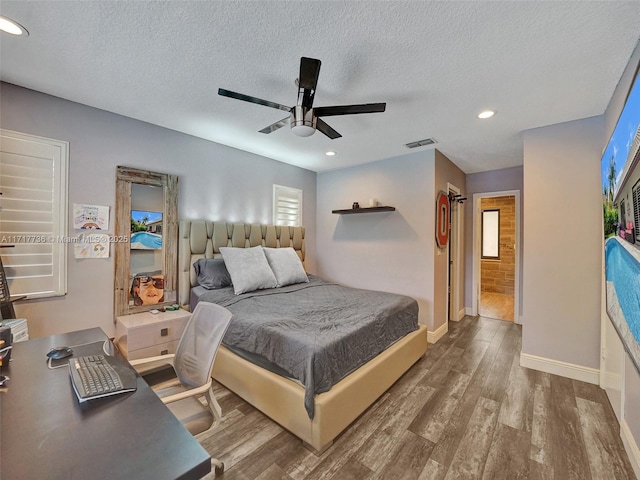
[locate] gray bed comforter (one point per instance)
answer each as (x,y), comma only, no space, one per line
(316,332)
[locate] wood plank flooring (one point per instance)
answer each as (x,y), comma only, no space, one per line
(496,305)
(466,410)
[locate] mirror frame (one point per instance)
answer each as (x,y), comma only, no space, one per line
(125,177)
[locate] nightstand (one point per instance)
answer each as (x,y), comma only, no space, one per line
(147,335)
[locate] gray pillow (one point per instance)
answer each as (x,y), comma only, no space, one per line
(212,273)
(248,268)
(286,266)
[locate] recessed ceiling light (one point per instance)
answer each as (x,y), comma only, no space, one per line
(330,153)
(12,27)
(486,114)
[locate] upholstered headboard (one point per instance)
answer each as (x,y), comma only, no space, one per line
(203,239)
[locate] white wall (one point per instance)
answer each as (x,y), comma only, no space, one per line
(563,226)
(215,182)
(381,251)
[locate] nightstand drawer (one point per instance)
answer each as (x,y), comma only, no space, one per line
(156,333)
(143,331)
(155,350)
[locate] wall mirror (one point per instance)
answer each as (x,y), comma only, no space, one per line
(146,264)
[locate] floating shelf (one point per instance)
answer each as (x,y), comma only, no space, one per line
(349,211)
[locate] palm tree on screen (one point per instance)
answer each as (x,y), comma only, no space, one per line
(611,178)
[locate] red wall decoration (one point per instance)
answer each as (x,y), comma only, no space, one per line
(443,212)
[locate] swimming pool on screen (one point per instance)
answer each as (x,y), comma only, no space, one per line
(146,241)
(624,271)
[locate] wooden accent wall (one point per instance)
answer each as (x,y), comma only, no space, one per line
(498,276)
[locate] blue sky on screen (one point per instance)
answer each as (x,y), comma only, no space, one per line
(622,136)
(138,215)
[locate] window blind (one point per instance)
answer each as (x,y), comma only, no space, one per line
(33,214)
(287,206)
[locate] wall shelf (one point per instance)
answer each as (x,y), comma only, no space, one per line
(349,211)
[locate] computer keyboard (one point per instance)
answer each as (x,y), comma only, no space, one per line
(97,376)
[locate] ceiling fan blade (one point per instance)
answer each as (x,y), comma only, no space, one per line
(326,129)
(275,126)
(309,72)
(307,81)
(349,109)
(247,98)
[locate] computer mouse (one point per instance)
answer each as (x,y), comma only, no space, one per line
(59,352)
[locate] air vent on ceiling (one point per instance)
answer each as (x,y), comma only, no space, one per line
(421,143)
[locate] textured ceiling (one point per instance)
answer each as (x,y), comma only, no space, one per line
(436,64)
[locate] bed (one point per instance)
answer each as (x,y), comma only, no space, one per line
(317,411)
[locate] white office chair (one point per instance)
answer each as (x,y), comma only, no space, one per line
(190,396)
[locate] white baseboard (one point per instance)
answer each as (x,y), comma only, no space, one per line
(468,311)
(569,370)
(459,316)
(433,337)
(630,446)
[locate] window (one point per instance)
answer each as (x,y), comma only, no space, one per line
(33,214)
(491,234)
(287,206)
(635,193)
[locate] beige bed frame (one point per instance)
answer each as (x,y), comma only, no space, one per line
(277,397)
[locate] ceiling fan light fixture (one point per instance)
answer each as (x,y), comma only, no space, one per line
(303,130)
(303,123)
(11,26)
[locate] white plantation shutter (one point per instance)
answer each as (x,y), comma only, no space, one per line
(635,193)
(33,214)
(287,206)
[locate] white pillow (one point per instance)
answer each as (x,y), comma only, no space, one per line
(286,266)
(248,268)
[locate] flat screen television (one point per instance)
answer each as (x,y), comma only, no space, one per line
(146,230)
(621,213)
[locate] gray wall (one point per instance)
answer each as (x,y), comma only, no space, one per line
(394,252)
(215,182)
(487,182)
(391,251)
(562,260)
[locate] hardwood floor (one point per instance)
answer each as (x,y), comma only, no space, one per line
(466,410)
(496,305)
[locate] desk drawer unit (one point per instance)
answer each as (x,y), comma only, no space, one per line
(147,335)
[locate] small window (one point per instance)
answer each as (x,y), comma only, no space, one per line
(287,206)
(491,234)
(33,214)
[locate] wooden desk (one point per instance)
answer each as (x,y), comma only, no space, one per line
(46,433)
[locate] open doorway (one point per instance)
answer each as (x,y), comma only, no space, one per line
(496,258)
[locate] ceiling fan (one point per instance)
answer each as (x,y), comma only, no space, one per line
(303,118)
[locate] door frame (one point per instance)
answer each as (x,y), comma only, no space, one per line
(477,235)
(455,235)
